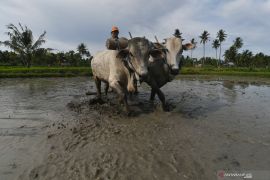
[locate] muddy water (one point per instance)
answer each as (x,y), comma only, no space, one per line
(27,107)
(51,130)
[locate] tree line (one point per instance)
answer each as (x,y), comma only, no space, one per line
(27,52)
(232,55)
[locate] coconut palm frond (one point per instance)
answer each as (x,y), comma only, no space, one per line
(21,26)
(40,41)
(17,48)
(215,44)
(27,39)
(21,41)
(82,49)
(14,29)
(204,37)
(238,42)
(221,35)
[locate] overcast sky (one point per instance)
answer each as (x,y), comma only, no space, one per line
(70,22)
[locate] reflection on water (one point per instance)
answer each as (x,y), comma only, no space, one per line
(199,97)
(38,99)
(26,107)
(26,103)
(228,84)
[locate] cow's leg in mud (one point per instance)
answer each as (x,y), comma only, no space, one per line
(162,99)
(106,88)
(136,86)
(155,90)
(153,94)
(98,86)
(122,94)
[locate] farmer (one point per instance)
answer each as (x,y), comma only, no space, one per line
(114,37)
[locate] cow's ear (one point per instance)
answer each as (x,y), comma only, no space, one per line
(188,46)
(122,53)
(156,53)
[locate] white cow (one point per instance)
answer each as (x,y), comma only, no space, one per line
(117,68)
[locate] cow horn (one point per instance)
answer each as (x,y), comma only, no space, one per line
(156,39)
(130,35)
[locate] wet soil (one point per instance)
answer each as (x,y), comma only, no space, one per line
(214,123)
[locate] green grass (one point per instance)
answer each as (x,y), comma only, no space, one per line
(12,72)
(16,71)
(258,72)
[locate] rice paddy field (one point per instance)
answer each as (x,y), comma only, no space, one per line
(16,71)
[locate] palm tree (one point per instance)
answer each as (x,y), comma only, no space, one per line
(194,43)
(22,42)
(230,55)
(83,51)
(204,38)
(221,35)
(238,42)
(215,45)
(246,58)
(191,50)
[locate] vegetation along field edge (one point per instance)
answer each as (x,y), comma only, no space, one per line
(13,72)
